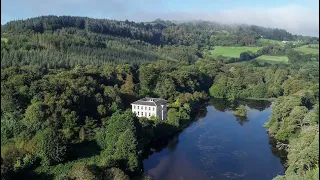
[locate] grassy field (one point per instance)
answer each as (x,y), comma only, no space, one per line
(231,51)
(265,42)
(266,58)
(307,50)
(278,59)
(4,39)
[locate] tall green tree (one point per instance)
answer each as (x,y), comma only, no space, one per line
(51,146)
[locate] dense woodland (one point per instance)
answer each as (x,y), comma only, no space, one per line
(67,84)
(63,42)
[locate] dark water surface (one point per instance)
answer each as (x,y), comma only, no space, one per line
(219,146)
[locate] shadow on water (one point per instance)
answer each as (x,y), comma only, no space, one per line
(171,141)
(225,105)
(201,113)
(256,104)
(221,105)
(282,154)
(172,145)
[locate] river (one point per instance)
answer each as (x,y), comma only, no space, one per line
(219,146)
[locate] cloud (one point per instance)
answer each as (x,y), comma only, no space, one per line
(293,18)
(297,19)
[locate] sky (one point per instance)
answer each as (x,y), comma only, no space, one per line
(296,16)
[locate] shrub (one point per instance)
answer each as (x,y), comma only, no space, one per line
(241,111)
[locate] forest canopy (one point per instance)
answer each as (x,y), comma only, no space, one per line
(65,41)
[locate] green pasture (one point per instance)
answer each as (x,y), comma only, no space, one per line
(278,59)
(308,49)
(266,42)
(231,51)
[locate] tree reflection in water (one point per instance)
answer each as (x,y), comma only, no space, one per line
(225,105)
(241,120)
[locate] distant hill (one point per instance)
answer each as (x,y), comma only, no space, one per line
(63,41)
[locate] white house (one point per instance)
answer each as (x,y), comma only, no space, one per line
(147,107)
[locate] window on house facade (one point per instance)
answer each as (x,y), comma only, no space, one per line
(153,108)
(149,108)
(138,107)
(138,113)
(149,114)
(141,113)
(145,108)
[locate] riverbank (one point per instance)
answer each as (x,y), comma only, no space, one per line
(295,129)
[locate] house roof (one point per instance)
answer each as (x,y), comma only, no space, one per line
(150,101)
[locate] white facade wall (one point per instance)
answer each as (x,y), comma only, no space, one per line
(148,111)
(144,111)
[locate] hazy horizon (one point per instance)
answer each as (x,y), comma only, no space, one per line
(296,16)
